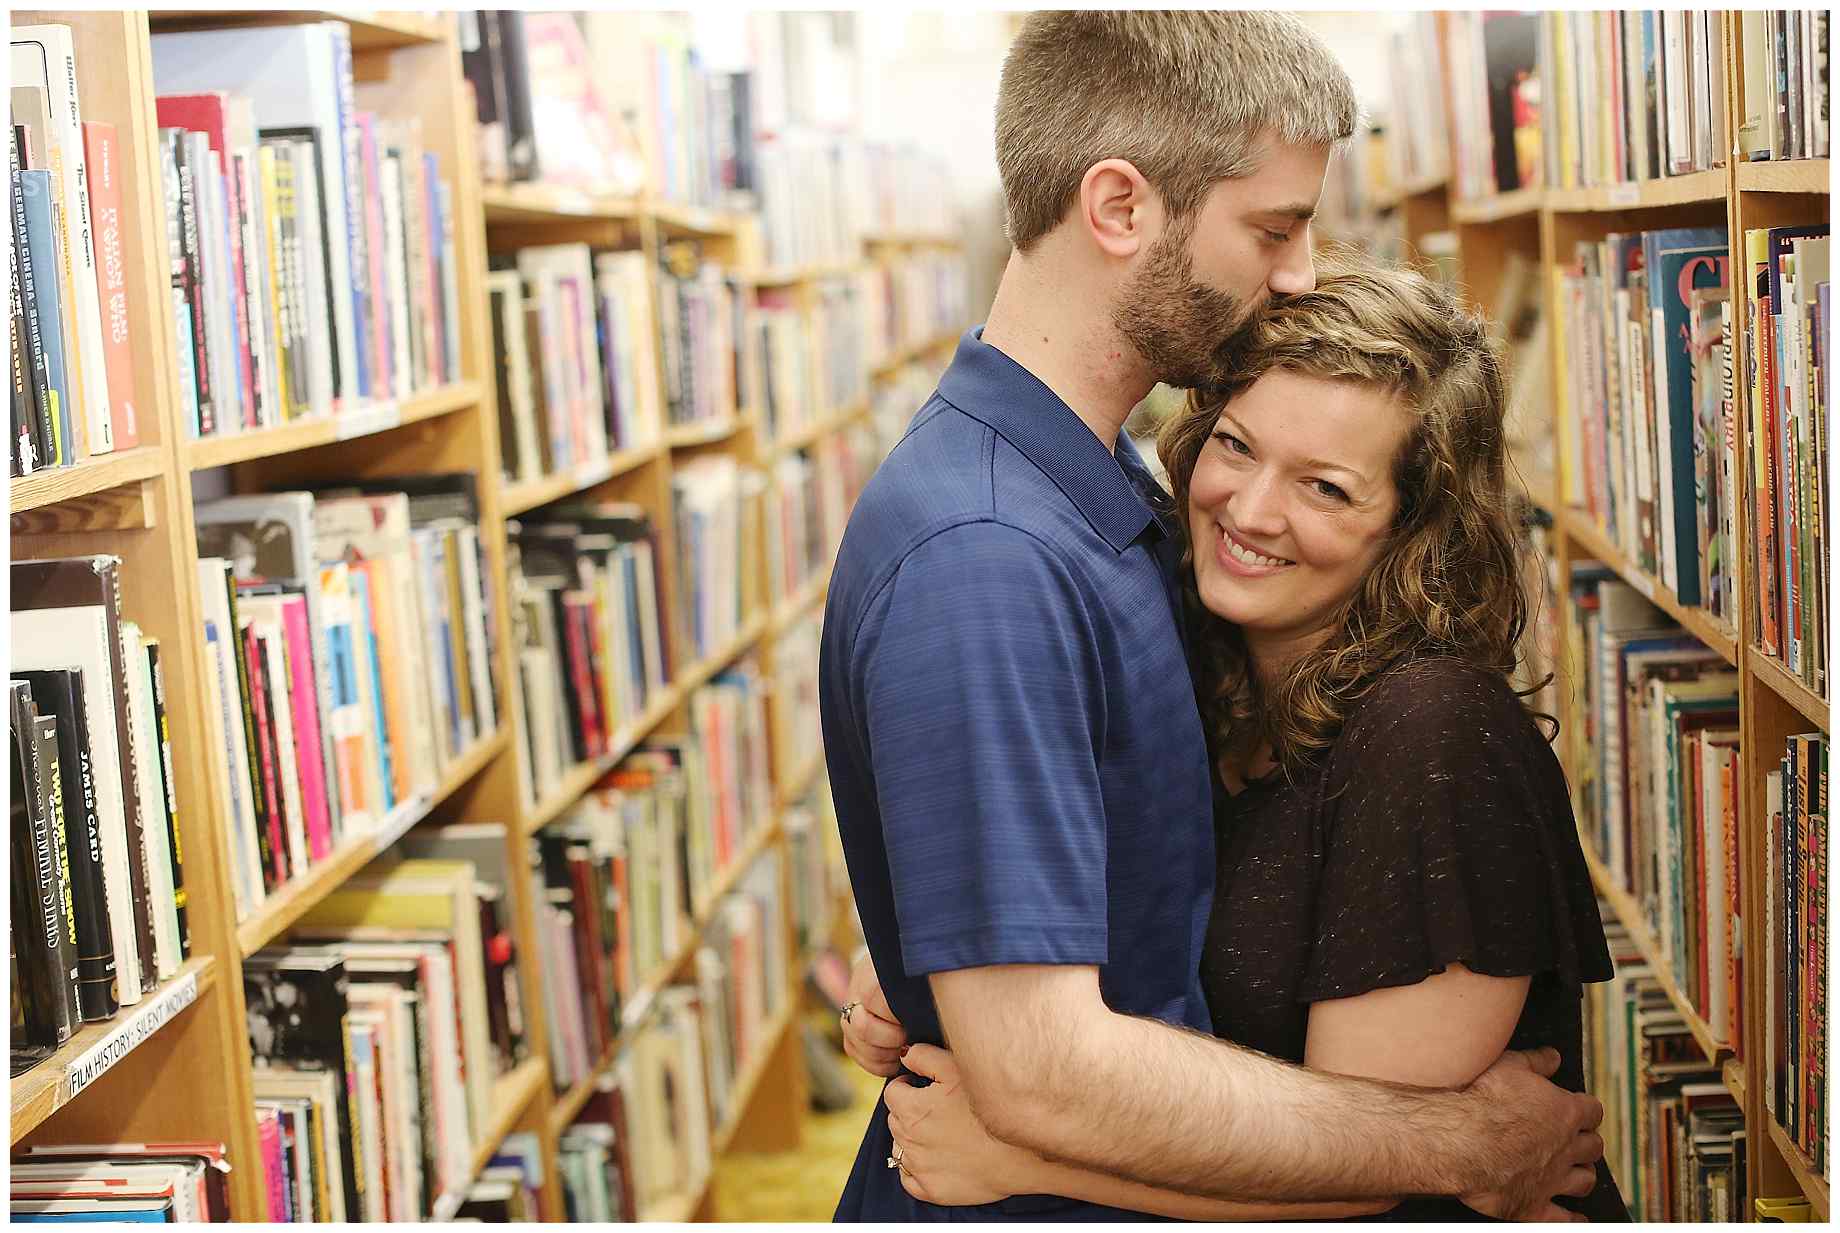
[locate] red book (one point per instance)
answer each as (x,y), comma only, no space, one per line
(102,163)
(308,744)
(265,747)
(586,705)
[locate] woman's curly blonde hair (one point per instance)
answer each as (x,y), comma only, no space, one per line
(1449,579)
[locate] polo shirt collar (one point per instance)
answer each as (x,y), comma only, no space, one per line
(996,391)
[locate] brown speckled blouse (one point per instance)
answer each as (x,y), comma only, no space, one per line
(1437,829)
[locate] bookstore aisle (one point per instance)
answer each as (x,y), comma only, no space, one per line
(427,459)
(1641,201)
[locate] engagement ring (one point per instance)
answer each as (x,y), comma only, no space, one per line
(894,1157)
(847,1008)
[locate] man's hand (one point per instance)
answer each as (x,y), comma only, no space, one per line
(871,1034)
(1537,1139)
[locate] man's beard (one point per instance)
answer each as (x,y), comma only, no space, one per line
(1186,331)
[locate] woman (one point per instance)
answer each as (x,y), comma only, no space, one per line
(1400,892)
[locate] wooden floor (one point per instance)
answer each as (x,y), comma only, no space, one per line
(800,1186)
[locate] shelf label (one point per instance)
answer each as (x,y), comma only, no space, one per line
(142,1022)
(1624,195)
(361,423)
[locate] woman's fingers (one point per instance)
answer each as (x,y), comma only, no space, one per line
(874,1031)
(885,1063)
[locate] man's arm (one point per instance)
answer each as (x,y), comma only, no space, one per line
(1047,1066)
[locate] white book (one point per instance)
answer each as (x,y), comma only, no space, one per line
(213,242)
(44,56)
(362,1029)
(395,257)
(229,752)
(291,74)
(473,600)
(321,358)
(162,900)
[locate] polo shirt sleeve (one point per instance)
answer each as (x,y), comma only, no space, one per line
(983,704)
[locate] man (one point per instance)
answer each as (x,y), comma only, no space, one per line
(1017,762)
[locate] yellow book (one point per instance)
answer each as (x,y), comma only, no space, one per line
(1783,1211)
(271,243)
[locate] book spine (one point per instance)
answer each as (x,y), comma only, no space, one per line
(244,708)
(139,871)
(63,905)
(42,943)
(103,162)
(192,260)
(262,767)
(175,249)
(163,734)
(307,738)
(38,286)
(253,237)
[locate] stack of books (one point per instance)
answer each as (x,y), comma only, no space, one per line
(100,910)
(1495,101)
(1795,1040)
(843,371)
(594,1163)
(795,528)
(1674,1136)
(1643,323)
(731,799)
(313,244)
(151,1183)
(742,972)
(73,367)
(697,315)
(592,636)
(1631,96)
(1660,800)
(716,507)
(1790,323)
(577,370)
(350,654)
(788,397)
(1784,89)
(374,1067)
(1416,130)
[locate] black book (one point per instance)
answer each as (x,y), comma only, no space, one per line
(188,268)
(35,914)
(520,129)
(170,796)
(45,730)
(60,693)
(484,67)
(295,1002)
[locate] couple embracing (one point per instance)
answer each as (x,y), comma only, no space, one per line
(1209,867)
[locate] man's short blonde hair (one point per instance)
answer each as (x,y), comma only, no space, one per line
(1186,97)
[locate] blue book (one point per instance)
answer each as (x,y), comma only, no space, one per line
(24,1213)
(1678,260)
(372,666)
(437,565)
(32,190)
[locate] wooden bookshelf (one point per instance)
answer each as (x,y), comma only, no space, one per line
(624,740)
(751,1073)
(1392,196)
(811,434)
(1807,175)
(801,779)
(45,1089)
(69,485)
(363,421)
(1771,674)
(511,1095)
(1495,209)
(1814,1186)
(694,222)
(549,203)
(1695,621)
(800,602)
(1694,188)
(371,29)
(690,436)
(523,497)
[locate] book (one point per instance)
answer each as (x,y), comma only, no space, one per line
(47,955)
(102,159)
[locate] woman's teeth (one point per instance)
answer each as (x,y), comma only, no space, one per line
(1242,553)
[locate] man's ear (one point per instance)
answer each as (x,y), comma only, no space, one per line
(1118,208)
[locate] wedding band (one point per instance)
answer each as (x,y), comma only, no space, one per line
(894,1157)
(847,1008)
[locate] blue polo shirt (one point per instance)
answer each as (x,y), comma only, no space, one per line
(1013,745)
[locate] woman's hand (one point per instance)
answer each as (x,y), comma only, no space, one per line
(871,1034)
(946,1156)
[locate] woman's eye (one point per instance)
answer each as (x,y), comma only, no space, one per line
(1233,443)
(1326,489)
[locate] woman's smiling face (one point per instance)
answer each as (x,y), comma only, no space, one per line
(1290,503)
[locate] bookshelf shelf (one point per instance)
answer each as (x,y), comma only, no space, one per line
(800,602)
(1785,685)
(1630,913)
(1814,1186)
(786,275)
(902,356)
(531,494)
(54,485)
(298,897)
(45,1089)
(376,417)
(584,776)
(707,667)
(689,436)
(811,434)
(694,222)
(801,780)
(371,29)
(1598,546)
(911,239)
(511,1095)
(674,1209)
(1499,207)
(551,203)
(1691,189)
(1806,175)
(1737,1079)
